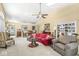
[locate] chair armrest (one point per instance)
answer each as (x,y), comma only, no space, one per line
(71,49)
(55,40)
(71,46)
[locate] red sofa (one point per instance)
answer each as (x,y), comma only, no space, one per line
(43,38)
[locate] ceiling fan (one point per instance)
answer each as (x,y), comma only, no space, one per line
(40,15)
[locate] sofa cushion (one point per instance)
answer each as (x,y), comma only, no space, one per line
(62,39)
(60,45)
(67,39)
(71,39)
(38,35)
(43,35)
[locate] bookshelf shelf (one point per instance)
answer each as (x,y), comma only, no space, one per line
(68,28)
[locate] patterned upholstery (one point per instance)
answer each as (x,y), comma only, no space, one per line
(66,45)
(71,39)
(5,40)
(62,39)
(1,36)
(61,46)
(67,39)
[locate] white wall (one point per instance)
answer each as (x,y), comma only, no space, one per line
(1,25)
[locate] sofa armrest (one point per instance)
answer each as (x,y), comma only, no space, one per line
(71,46)
(71,49)
(55,40)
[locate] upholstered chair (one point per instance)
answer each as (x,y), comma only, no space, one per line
(66,45)
(5,40)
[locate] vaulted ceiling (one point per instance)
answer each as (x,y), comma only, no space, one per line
(23,11)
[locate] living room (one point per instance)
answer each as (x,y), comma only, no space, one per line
(48,21)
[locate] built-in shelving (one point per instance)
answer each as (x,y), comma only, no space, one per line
(68,28)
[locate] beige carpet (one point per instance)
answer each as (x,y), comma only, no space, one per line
(21,49)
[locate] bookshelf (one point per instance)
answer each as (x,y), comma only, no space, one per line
(68,28)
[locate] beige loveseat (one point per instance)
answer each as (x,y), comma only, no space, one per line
(5,40)
(66,45)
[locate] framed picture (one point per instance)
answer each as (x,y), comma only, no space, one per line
(47,27)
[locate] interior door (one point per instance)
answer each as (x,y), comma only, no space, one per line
(19,33)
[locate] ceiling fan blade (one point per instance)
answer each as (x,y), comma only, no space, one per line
(44,14)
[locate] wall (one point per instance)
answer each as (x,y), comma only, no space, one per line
(1,25)
(2,22)
(18,25)
(63,14)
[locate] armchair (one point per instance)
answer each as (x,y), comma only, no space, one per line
(66,45)
(5,40)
